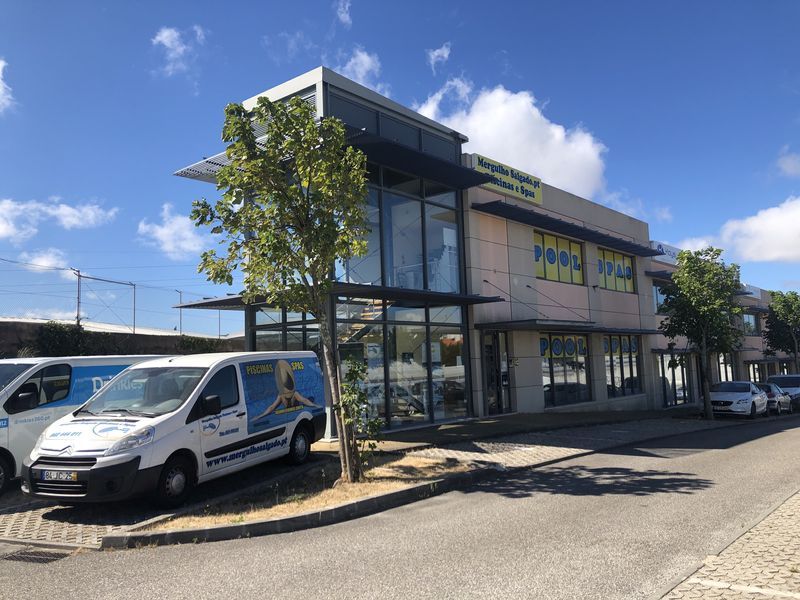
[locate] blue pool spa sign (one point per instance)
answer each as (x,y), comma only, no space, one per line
(507,180)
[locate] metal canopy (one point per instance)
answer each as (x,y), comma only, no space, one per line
(379,150)
(560,325)
(399,296)
(527,216)
(667,275)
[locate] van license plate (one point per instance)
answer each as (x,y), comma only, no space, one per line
(59,476)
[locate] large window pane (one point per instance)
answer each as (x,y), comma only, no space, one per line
(294,338)
(269,316)
(269,340)
(402,223)
(564,369)
(365,342)
(441,194)
(403,313)
(367,268)
(447,364)
(359,309)
(408,374)
(443,256)
(401,182)
(445,314)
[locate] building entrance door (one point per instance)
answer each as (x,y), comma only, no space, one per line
(495,373)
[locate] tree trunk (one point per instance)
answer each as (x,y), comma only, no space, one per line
(348,459)
(705,363)
(794,339)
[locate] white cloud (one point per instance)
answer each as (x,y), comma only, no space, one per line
(180,49)
(364,68)
(287,45)
(53,314)
(20,221)
(343,12)
(510,127)
(6,99)
(770,235)
(176,236)
(47,260)
(789,163)
(439,55)
(663,214)
(696,243)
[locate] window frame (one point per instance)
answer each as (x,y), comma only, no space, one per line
(573,248)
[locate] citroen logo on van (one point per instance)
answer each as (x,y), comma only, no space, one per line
(67,450)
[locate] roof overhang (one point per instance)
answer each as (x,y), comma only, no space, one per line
(537,219)
(399,296)
(562,325)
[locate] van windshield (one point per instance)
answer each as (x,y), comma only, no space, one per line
(147,392)
(9,373)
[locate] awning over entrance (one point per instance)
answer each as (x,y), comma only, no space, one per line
(379,150)
(537,219)
(399,296)
(561,325)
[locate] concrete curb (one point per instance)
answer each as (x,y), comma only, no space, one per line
(343,512)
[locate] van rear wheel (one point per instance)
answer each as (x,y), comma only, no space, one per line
(175,482)
(300,447)
(5,474)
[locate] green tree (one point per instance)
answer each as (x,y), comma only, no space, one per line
(783,324)
(292,204)
(700,305)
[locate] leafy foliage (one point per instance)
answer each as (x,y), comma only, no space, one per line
(700,305)
(293,203)
(783,324)
(354,410)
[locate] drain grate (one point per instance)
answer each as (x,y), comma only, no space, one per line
(36,556)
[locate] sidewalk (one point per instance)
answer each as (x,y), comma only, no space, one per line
(763,563)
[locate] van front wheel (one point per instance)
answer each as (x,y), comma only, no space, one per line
(300,447)
(175,482)
(5,474)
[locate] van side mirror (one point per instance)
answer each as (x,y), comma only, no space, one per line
(211,405)
(21,402)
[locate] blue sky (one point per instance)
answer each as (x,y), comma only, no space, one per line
(684,114)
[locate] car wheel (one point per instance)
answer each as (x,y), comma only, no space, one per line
(300,447)
(175,482)
(752,410)
(5,474)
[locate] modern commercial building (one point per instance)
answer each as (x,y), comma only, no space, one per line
(484,289)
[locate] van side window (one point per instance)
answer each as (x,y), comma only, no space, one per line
(50,384)
(225,385)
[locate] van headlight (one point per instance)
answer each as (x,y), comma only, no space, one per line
(132,441)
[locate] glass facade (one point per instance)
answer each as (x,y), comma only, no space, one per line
(565,369)
(622,365)
(658,299)
(725,365)
(676,389)
(750,325)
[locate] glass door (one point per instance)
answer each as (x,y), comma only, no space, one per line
(495,373)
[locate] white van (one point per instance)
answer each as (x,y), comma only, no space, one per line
(164,425)
(34,392)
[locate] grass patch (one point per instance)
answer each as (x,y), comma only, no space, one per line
(313,490)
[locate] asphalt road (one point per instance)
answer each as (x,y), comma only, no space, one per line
(620,524)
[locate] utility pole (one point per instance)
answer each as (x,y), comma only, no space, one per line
(134,307)
(180,312)
(78,310)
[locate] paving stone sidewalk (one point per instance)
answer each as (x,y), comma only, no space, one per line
(531,449)
(763,563)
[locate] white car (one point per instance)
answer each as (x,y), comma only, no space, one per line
(739,398)
(790,384)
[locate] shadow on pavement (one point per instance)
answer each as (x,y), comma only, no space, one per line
(598,481)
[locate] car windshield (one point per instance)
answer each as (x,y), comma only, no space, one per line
(764,387)
(730,386)
(791,382)
(147,392)
(9,373)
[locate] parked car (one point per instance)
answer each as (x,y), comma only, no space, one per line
(738,397)
(164,425)
(789,384)
(35,392)
(778,400)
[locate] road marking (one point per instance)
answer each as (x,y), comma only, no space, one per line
(724,585)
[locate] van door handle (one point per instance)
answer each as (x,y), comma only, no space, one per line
(241,414)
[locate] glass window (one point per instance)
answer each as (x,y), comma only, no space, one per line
(294,338)
(353,114)
(224,384)
(404,313)
(447,366)
(658,298)
(401,182)
(622,365)
(365,342)
(725,363)
(269,340)
(750,324)
(673,379)
(441,194)
(367,268)
(557,259)
(408,374)
(616,271)
(445,314)
(564,369)
(399,132)
(50,384)
(402,224)
(441,147)
(359,309)
(443,262)
(268,315)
